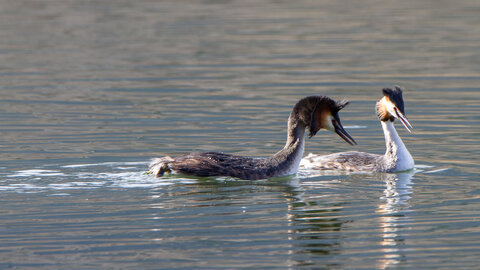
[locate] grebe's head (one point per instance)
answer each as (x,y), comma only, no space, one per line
(320,112)
(391,106)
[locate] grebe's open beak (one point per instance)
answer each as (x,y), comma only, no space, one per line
(404,120)
(342,133)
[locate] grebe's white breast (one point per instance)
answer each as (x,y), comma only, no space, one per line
(397,156)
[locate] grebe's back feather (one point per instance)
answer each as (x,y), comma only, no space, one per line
(285,162)
(205,164)
(216,164)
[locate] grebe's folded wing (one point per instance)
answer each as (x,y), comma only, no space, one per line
(347,161)
(203,164)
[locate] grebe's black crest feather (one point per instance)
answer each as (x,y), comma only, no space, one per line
(395,96)
(341,104)
(307,108)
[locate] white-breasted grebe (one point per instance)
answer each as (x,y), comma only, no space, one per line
(396,158)
(312,113)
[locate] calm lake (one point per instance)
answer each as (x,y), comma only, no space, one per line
(91,90)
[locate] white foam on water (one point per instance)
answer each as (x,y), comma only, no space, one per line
(76,185)
(79,165)
(354,127)
(421,166)
(105,164)
(126,168)
(142,184)
(21,187)
(104,175)
(36,172)
(87,184)
(437,171)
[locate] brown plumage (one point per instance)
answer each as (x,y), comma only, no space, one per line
(312,113)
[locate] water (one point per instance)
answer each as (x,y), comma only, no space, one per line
(90,91)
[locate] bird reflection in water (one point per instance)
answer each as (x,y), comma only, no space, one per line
(314,225)
(317,221)
(392,209)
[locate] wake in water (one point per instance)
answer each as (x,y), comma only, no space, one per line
(57,180)
(83,176)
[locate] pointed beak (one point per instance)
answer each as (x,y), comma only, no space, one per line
(404,120)
(342,133)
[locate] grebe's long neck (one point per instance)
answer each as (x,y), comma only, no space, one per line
(396,152)
(287,160)
(295,132)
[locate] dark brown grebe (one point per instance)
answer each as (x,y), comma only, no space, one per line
(312,113)
(396,158)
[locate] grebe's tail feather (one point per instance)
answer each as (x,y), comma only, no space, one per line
(159,166)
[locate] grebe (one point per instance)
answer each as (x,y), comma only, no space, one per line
(396,158)
(312,113)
